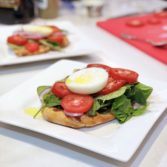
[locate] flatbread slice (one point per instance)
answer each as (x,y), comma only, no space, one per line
(21,51)
(58,117)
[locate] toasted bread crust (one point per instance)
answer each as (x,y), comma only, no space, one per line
(57,116)
(24,52)
(65,42)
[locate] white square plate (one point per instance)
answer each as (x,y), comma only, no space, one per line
(111,139)
(79,45)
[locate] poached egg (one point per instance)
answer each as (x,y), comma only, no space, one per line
(87,81)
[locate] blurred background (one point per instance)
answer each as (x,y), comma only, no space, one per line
(78,11)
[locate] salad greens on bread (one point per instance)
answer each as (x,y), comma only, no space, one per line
(122,103)
(123,96)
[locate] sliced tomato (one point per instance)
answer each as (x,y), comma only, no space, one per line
(17,40)
(32,47)
(124,74)
(60,89)
(112,86)
(135,23)
(105,67)
(55,29)
(75,103)
(56,37)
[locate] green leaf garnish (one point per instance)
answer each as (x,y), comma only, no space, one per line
(42,89)
(52,45)
(50,100)
(100,101)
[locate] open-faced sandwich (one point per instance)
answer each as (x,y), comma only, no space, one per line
(34,40)
(94,95)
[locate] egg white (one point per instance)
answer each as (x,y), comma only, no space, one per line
(87,81)
(45,30)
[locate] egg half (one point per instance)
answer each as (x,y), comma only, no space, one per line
(44,30)
(87,81)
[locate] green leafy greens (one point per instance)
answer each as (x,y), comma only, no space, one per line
(128,101)
(52,45)
(48,99)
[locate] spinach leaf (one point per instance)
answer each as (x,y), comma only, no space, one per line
(122,109)
(139,93)
(113,95)
(47,98)
(139,111)
(50,100)
(52,45)
(105,100)
(12,46)
(99,105)
(42,90)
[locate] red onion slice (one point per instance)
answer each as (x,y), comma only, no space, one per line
(30,35)
(35,36)
(73,114)
(43,93)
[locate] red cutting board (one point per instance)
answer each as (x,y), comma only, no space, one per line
(154,28)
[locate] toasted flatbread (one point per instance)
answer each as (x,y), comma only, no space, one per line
(65,42)
(24,52)
(58,117)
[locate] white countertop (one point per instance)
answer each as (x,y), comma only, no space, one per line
(19,147)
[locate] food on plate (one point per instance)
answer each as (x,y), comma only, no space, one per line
(94,95)
(34,40)
(135,23)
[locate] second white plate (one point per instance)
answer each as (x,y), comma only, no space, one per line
(79,45)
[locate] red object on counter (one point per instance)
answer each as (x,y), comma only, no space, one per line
(153,28)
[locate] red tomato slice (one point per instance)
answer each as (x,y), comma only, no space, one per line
(32,47)
(75,103)
(17,40)
(112,86)
(55,29)
(124,74)
(105,67)
(60,89)
(135,23)
(56,37)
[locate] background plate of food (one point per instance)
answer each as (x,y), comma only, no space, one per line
(110,138)
(52,40)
